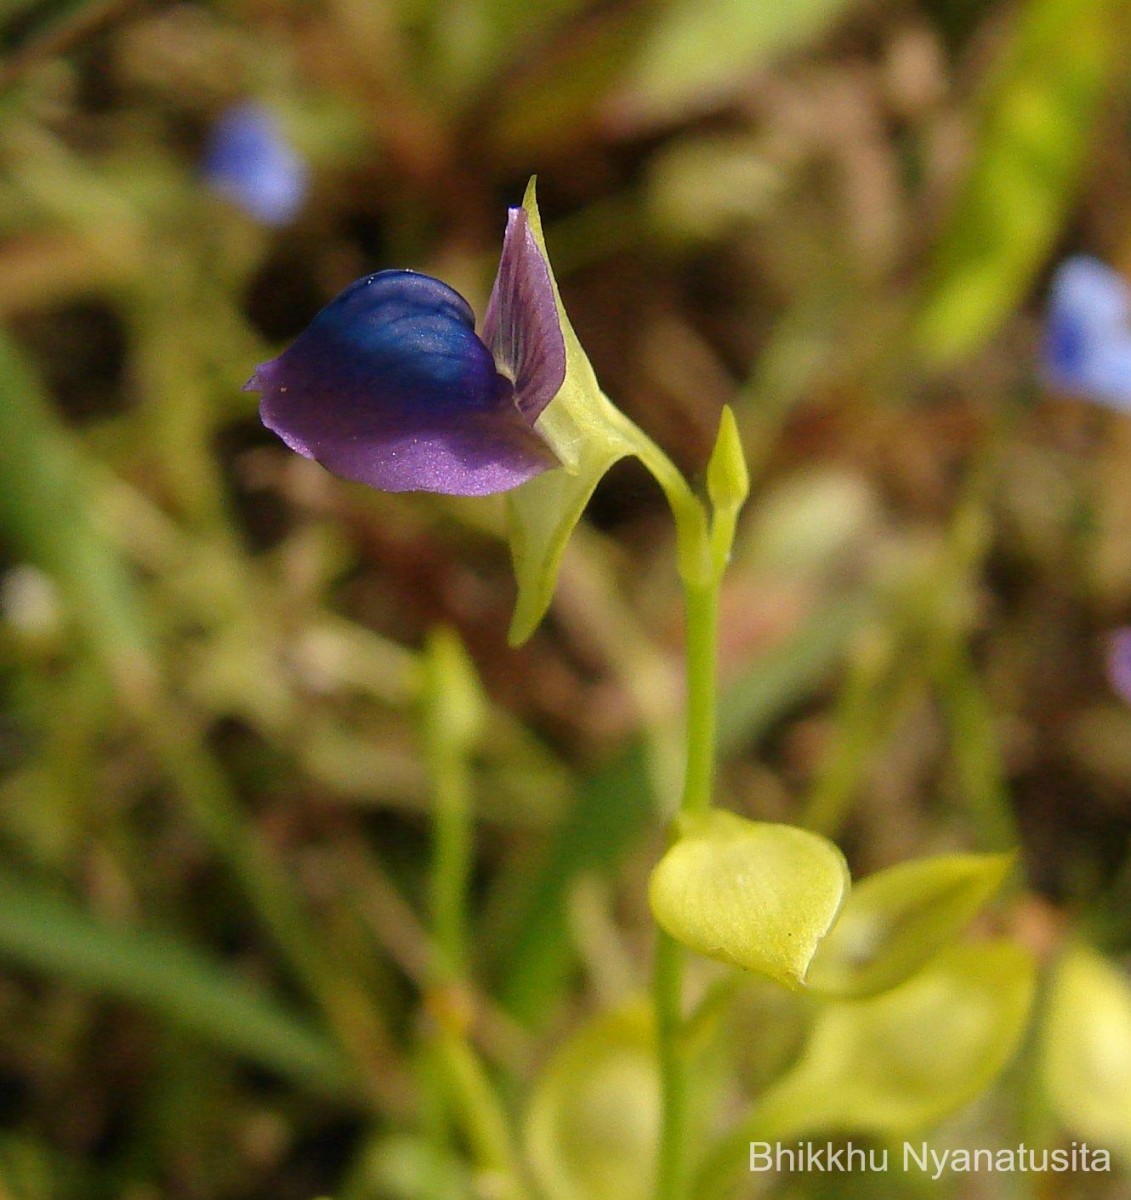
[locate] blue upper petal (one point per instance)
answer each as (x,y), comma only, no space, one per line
(410,336)
(390,385)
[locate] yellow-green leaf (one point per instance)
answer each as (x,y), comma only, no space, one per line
(901,1062)
(757,895)
(409,1166)
(897,920)
(1087,1049)
(594,1120)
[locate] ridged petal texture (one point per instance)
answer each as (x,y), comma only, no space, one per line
(390,385)
(521,325)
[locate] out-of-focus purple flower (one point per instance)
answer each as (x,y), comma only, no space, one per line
(248,159)
(390,386)
(1119,662)
(1087,340)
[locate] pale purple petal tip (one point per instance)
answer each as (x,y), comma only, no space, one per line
(521,326)
(1119,663)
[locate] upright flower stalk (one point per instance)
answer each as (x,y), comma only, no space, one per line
(704,550)
(701,600)
(392,387)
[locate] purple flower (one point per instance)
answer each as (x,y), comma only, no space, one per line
(390,386)
(248,159)
(1119,662)
(1087,340)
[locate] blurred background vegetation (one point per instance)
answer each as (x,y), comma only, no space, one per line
(225,711)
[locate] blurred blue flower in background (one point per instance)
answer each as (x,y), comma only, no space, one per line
(1119,662)
(248,159)
(391,386)
(1087,351)
(1087,338)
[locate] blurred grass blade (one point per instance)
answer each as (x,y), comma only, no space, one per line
(45,932)
(32,32)
(453,717)
(612,810)
(979,771)
(789,673)
(472,43)
(1036,124)
(551,105)
(698,52)
(45,514)
(46,502)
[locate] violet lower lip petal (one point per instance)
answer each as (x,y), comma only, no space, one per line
(390,385)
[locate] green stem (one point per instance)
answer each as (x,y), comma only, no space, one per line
(481,1115)
(693,538)
(452,725)
(702,603)
(704,545)
(702,671)
(667,996)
